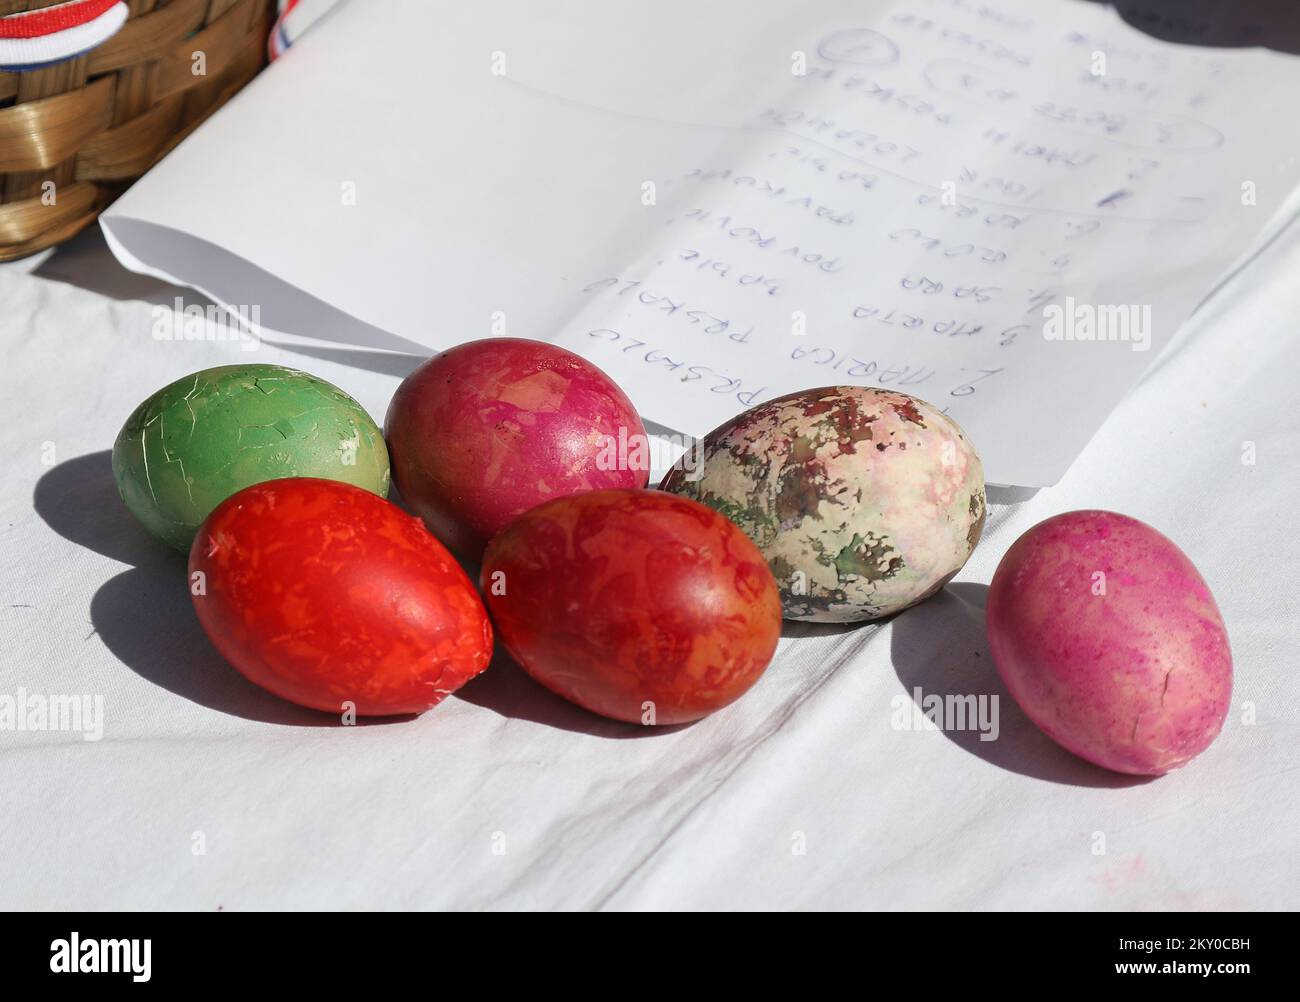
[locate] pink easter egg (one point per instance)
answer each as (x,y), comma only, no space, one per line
(487,430)
(1110,641)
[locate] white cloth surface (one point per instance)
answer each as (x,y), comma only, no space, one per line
(505,796)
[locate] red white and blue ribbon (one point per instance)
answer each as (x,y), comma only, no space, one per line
(35,38)
(296,16)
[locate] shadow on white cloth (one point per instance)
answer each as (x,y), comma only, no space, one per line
(144,615)
(145,618)
(940,648)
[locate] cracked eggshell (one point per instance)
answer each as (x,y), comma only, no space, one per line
(864,501)
(1110,641)
(487,430)
(210,434)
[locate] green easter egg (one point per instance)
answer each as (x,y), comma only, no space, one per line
(196,442)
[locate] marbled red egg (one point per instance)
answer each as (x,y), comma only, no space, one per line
(635,604)
(1110,641)
(334,598)
(487,430)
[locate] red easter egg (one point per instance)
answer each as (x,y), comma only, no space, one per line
(326,594)
(487,430)
(636,604)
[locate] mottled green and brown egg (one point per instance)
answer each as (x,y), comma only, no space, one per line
(864,501)
(212,433)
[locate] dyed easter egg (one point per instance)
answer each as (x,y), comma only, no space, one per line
(635,604)
(485,431)
(199,440)
(863,501)
(1110,641)
(331,597)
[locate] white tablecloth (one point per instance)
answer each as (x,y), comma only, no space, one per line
(207,793)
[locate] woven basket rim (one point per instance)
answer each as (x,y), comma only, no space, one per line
(75,134)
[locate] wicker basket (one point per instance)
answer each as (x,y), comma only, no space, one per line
(93,124)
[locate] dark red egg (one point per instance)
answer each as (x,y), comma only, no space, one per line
(636,604)
(487,430)
(332,597)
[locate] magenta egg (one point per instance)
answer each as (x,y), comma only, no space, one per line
(1110,641)
(483,432)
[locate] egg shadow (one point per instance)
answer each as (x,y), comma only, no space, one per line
(509,691)
(798,629)
(78,499)
(940,648)
(144,615)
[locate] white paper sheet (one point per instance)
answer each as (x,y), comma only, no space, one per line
(721,202)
